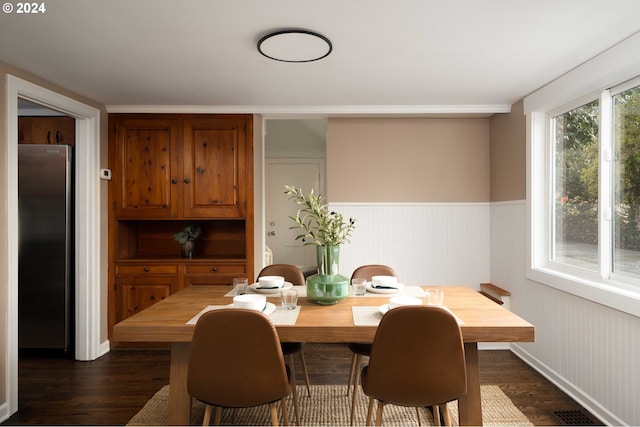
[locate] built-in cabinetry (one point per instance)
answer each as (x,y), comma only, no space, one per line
(46,130)
(170,171)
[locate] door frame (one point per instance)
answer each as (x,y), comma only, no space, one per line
(291,160)
(87,225)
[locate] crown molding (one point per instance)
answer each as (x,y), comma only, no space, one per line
(324,111)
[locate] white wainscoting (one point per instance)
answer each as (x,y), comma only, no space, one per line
(426,243)
(589,350)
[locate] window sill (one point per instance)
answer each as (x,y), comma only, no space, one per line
(616,295)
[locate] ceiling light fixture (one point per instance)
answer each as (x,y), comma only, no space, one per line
(295,46)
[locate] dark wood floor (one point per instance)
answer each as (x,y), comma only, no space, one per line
(111,390)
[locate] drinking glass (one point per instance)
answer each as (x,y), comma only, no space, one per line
(240,285)
(289,299)
(435,297)
(358,286)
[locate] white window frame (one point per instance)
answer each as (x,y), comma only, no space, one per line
(590,81)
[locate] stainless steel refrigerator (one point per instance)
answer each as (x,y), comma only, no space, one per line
(45,272)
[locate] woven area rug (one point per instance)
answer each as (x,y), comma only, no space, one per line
(329,406)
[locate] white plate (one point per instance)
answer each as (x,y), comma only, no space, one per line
(370,288)
(255,288)
(269,308)
(383,308)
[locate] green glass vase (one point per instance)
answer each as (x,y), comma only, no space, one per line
(327,286)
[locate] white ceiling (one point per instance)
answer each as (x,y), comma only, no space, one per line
(411,56)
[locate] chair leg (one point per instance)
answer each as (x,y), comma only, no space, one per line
(274,414)
(292,381)
(369,411)
(446,416)
(356,383)
(285,411)
(354,356)
(218,416)
(304,370)
(436,415)
(206,420)
(379,413)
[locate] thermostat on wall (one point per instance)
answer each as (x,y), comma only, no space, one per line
(105,174)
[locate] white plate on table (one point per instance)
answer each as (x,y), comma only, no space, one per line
(254,287)
(268,309)
(369,286)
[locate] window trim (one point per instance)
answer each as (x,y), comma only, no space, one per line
(613,68)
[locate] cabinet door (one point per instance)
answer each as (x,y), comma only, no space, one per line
(215,151)
(47,130)
(135,293)
(145,166)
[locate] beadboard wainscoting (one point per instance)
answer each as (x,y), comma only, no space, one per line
(589,350)
(426,243)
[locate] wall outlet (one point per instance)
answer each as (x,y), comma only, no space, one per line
(105,174)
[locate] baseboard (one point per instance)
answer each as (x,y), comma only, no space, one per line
(4,412)
(586,401)
(104,348)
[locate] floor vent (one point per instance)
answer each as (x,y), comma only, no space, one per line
(576,417)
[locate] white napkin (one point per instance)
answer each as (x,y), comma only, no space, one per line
(366,315)
(278,317)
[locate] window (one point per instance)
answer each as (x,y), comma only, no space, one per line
(626,181)
(575,192)
(583,186)
(593,187)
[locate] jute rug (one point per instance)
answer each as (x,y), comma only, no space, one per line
(329,406)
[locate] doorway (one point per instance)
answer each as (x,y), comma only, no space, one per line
(295,153)
(89,246)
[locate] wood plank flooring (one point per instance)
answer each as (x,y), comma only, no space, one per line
(110,390)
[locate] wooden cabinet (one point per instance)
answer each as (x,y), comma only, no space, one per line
(170,171)
(191,167)
(47,130)
(214,168)
(139,286)
(145,155)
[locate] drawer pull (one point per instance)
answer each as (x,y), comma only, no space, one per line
(214,269)
(146,269)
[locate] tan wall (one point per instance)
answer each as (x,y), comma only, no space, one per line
(408,160)
(4,71)
(508,155)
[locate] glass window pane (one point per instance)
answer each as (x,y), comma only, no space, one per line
(626,138)
(575,192)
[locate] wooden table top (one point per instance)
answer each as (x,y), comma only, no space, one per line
(165,321)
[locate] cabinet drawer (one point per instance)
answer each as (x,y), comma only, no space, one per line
(147,269)
(216,268)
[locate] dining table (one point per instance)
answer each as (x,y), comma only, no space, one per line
(352,319)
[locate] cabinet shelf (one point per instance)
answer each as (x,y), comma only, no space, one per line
(141,239)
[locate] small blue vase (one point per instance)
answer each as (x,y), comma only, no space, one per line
(327,287)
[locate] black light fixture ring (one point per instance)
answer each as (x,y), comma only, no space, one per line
(273,35)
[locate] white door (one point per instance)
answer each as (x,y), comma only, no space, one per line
(300,173)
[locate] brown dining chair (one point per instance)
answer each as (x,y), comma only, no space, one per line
(417,360)
(294,275)
(362,349)
(236,362)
